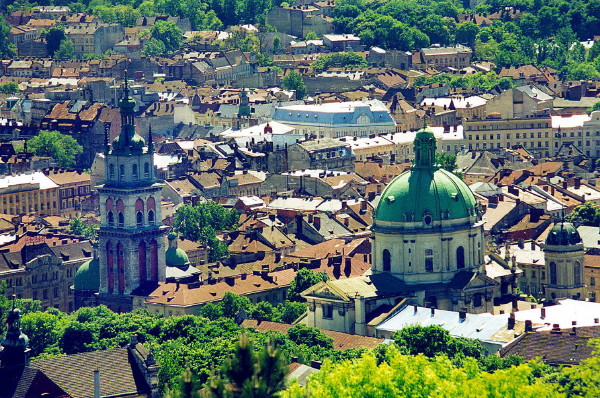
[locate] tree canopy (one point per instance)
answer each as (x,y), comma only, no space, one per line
(62,148)
(586,214)
(294,81)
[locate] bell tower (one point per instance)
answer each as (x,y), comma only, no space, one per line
(131,236)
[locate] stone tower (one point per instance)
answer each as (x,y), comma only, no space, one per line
(131,236)
(564,263)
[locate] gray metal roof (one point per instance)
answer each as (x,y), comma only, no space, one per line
(484,327)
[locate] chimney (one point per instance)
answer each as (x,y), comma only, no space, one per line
(317,222)
(577,182)
(543,313)
(573,331)
(310,218)
(515,304)
(316,364)
(363,206)
(564,184)
(96,383)
(133,340)
(521,244)
(555,329)
(532,245)
(528,326)
(432,311)
(415,308)
(511,321)
(462,315)
(347,221)
(596,320)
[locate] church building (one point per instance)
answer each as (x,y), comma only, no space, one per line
(428,249)
(131,235)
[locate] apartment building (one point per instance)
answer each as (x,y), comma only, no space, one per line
(28,193)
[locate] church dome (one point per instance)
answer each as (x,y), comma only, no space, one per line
(87,276)
(563,234)
(174,256)
(425,193)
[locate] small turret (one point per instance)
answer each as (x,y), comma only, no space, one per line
(15,353)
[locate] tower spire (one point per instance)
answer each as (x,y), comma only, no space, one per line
(150,141)
(15,353)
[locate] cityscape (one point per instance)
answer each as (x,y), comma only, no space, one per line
(337,198)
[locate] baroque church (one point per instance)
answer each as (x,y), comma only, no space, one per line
(428,249)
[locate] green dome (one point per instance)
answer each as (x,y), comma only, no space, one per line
(129,141)
(563,234)
(176,257)
(425,193)
(417,193)
(88,276)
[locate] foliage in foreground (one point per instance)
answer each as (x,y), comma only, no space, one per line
(400,375)
(62,148)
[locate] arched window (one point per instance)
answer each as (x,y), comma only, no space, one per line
(552,273)
(151,217)
(139,217)
(139,205)
(577,273)
(134,171)
(111,170)
(121,220)
(122,171)
(460,257)
(387,260)
(146,170)
(111,219)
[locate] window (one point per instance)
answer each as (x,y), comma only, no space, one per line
(45,294)
(553,273)
(151,217)
(477,300)
(121,220)
(577,273)
(460,257)
(429,260)
(139,219)
(146,170)
(35,295)
(122,171)
(592,281)
(55,292)
(111,218)
(134,171)
(387,261)
(328,311)
(111,169)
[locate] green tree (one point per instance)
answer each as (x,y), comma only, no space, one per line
(249,374)
(62,148)
(154,47)
(7,49)
(586,214)
(276,45)
(66,50)
(78,227)
(304,279)
(433,341)
(312,337)
(595,107)
(77,337)
(43,330)
(54,37)
(311,36)
(339,60)
(9,88)
(233,304)
(466,33)
(293,81)
(447,161)
(168,33)
(418,376)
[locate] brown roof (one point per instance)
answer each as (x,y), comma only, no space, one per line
(328,248)
(183,295)
(341,341)
(545,168)
(74,374)
(555,349)
(62,177)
